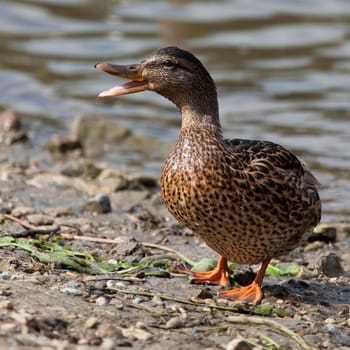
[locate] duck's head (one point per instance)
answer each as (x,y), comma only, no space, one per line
(171,72)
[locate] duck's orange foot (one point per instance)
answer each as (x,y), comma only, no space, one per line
(251,294)
(216,276)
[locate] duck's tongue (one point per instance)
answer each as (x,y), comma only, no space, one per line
(132,72)
(123,89)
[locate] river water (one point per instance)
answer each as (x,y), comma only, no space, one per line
(282,69)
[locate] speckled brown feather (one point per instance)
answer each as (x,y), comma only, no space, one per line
(248,200)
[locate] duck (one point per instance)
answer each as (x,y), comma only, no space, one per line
(248,200)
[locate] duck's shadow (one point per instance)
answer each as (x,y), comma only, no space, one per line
(314,293)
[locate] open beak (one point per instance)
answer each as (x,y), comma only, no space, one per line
(131,72)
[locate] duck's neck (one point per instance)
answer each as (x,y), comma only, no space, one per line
(191,117)
(200,112)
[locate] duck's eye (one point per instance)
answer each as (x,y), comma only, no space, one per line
(168,63)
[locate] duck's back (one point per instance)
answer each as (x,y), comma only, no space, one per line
(249,200)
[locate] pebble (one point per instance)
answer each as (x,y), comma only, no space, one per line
(114,180)
(6,305)
(329,320)
(91,322)
(330,265)
(137,300)
(238,344)
(9,120)
(324,233)
(345,228)
(133,333)
(107,344)
(115,284)
(313,246)
(60,211)
(100,204)
(71,291)
(105,330)
(204,293)
(22,211)
(60,145)
(140,325)
(137,180)
(40,219)
(6,328)
(118,304)
(156,301)
(340,336)
(101,301)
(173,323)
(5,275)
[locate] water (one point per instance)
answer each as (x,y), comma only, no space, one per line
(282,70)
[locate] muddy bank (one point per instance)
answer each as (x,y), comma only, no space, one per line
(48,306)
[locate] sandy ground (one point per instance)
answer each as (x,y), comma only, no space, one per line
(47,306)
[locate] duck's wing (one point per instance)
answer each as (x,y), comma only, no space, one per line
(276,176)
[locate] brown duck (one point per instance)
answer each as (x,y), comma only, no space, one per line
(248,200)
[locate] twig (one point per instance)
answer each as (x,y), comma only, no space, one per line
(161,247)
(240,308)
(31,229)
(272,324)
(115,278)
(21,222)
(92,239)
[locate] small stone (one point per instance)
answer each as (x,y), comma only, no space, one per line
(59,212)
(6,305)
(330,265)
(142,180)
(117,304)
(133,333)
(100,204)
(22,211)
(71,291)
(345,228)
(313,246)
(7,328)
(108,344)
(12,136)
(339,335)
(324,233)
(113,180)
(131,250)
(204,293)
(90,323)
(115,284)
(9,120)
(101,301)
(173,323)
(140,325)
(137,300)
(5,275)
(60,145)
(156,301)
(108,330)
(329,320)
(238,344)
(40,219)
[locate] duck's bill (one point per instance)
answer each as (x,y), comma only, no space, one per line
(132,72)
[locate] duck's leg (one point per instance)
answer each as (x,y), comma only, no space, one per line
(252,293)
(216,276)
